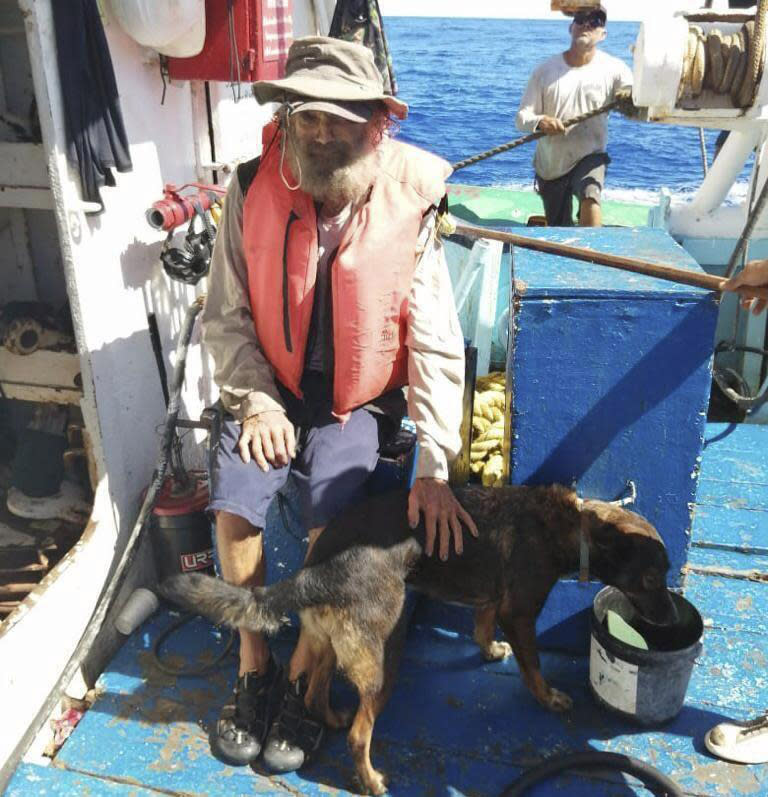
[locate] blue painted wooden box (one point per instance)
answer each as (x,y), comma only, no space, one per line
(609,374)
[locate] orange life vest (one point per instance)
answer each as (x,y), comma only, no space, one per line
(370,276)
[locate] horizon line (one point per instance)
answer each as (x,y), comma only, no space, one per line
(560,18)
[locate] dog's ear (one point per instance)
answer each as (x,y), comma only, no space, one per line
(606,540)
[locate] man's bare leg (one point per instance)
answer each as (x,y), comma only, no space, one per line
(241,557)
(286,750)
(590,213)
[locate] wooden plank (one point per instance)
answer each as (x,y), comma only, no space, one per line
(728,560)
(24,181)
(23,197)
(33,779)
(54,395)
(42,368)
(41,376)
(734,604)
(633,264)
(732,466)
(22,165)
(731,494)
(718,526)
(746,439)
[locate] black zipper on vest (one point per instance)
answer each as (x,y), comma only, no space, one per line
(286,306)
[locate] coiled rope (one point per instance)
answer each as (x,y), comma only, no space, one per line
(486,449)
(724,63)
(622,102)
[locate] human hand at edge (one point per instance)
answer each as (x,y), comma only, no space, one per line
(551,126)
(269,438)
(752,285)
(443,515)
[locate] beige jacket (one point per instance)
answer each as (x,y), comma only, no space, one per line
(435,342)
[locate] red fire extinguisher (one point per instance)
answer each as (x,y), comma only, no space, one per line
(245,40)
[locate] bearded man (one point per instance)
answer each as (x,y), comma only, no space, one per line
(328,294)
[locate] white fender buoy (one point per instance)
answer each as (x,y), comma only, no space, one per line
(175,27)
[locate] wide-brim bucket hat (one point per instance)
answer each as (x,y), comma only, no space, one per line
(327,69)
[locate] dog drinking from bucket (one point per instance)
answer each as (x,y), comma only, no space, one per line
(350,592)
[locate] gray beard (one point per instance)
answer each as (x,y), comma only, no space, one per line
(335,180)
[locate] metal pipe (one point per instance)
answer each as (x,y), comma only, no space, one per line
(723,172)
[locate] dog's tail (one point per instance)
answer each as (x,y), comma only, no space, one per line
(254,608)
(338,582)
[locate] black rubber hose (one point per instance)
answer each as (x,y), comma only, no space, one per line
(183,672)
(120,571)
(656,781)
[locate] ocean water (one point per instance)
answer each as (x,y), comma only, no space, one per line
(464,78)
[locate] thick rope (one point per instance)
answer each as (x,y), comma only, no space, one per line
(724,63)
(703,148)
(754,214)
(756,62)
(538,134)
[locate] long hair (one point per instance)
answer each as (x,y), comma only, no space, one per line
(383,124)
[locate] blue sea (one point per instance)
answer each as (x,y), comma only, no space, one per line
(463,80)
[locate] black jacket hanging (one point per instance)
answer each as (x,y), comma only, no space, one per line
(96,137)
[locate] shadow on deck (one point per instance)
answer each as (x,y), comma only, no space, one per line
(457,725)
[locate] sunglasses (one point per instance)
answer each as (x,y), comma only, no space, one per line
(589,20)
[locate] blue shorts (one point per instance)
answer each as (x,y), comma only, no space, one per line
(332,464)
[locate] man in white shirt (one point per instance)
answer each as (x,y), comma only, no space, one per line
(572,161)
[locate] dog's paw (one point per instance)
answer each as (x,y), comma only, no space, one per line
(497,651)
(374,783)
(558,701)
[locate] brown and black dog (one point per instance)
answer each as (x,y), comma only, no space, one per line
(350,592)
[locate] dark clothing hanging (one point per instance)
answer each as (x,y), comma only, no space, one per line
(360,21)
(96,137)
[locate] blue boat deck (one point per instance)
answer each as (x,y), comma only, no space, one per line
(456,725)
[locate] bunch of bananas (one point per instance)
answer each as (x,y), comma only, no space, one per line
(486,456)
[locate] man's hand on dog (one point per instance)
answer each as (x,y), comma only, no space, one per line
(269,438)
(443,514)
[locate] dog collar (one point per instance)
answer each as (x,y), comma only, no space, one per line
(583,557)
(583,548)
